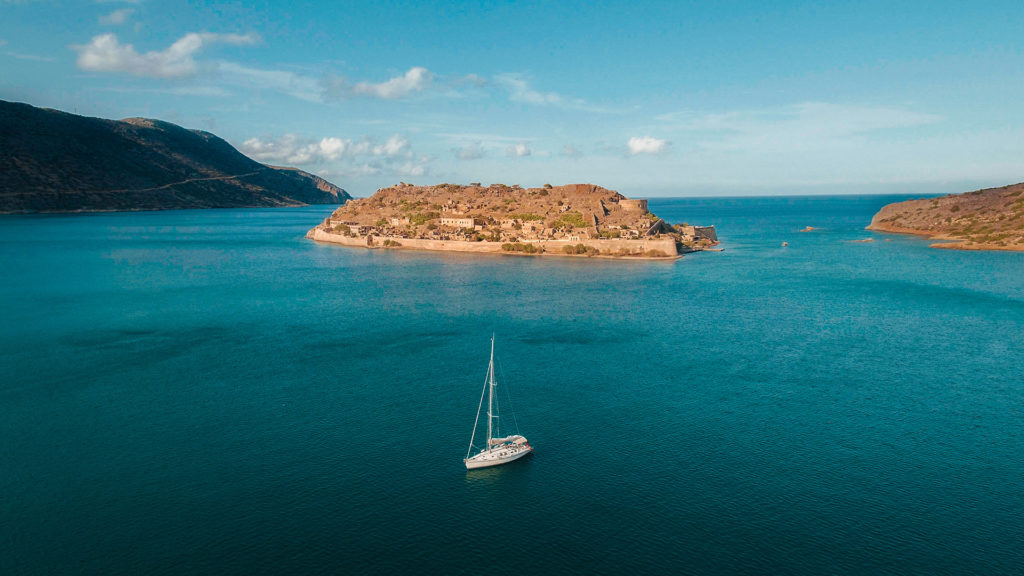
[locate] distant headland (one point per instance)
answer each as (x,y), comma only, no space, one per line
(989,219)
(52,161)
(570,220)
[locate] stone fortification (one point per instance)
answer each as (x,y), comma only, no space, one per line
(582,219)
(659,248)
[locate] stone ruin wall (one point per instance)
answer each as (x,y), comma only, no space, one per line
(552,247)
(705,232)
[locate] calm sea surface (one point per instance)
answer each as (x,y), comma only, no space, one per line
(209,392)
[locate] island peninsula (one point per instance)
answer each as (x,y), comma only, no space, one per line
(990,219)
(570,220)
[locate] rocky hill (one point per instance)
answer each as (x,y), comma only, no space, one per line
(990,219)
(52,161)
(577,219)
(586,205)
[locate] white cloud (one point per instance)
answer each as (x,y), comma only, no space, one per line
(518,150)
(105,54)
(647,145)
(117,17)
(472,80)
(808,124)
(815,143)
(413,167)
(519,90)
(473,151)
(481,137)
(415,80)
(31,57)
(570,151)
(286,81)
(361,157)
(393,147)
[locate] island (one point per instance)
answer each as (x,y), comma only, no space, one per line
(989,219)
(571,220)
(53,161)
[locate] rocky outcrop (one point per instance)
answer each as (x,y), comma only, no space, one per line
(52,161)
(576,219)
(990,219)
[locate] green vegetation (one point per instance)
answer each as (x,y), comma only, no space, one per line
(422,218)
(573,218)
(390,243)
(406,206)
(343,228)
(521,247)
(382,222)
(526,216)
(611,234)
(581,249)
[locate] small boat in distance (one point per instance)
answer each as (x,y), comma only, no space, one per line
(497,450)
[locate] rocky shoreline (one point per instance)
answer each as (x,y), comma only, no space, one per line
(990,219)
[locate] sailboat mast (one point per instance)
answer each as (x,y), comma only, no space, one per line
(490,395)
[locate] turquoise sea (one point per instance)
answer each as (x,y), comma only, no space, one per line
(207,392)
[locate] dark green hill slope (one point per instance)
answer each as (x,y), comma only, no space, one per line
(52,161)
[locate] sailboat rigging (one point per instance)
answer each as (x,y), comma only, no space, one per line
(497,450)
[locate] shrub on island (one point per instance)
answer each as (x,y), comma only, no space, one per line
(573,218)
(523,247)
(526,216)
(581,249)
(420,218)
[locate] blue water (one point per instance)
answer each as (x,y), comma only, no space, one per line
(209,392)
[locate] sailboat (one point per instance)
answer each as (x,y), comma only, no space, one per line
(498,450)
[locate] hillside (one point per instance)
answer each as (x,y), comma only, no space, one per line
(990,219)
(52,161)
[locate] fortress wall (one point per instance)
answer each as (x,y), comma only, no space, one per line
(606,246)
(414,243)
(634,204)
(613,245)
(705,232)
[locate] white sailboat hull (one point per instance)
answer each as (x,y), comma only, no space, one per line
(497,456)
(498,450)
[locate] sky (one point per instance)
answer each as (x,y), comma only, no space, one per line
(647,98)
